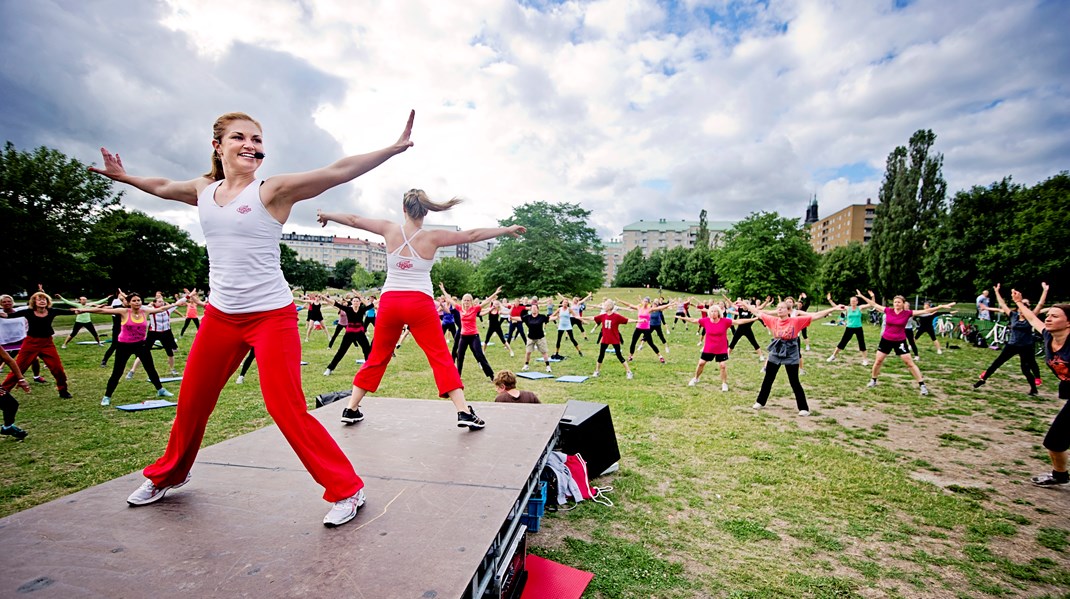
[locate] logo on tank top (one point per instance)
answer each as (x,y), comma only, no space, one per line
(405,264)
(244,209)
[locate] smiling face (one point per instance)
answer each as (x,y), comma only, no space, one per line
(236,148)
(7,303)
(898,303)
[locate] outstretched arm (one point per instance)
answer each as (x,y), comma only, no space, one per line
(372,225)
(827,311)
(490,300)
(871,300)
(452,300)
(999,299)
(180,191)
(1043,298)
(284,191)
(932,309)
(447,238)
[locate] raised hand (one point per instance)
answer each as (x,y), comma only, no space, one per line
(1016,296)
(321,218)
(404,143)
(517,230)
(113,166)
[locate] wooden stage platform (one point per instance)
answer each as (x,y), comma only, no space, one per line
(249,523)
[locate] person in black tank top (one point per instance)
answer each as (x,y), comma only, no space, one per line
(1019,343)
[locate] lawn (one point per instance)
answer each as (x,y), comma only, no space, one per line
(879,493)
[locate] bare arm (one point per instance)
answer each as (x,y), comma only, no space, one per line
(1043,298)
(932,309)
(826,311)
(448,238)
(490,300)
(180,191)
(999,299)
(871,300)
(284,191)
(372,225)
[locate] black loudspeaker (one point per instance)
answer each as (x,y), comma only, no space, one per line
(587,429)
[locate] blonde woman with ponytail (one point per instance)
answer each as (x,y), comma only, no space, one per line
(408,299)
(251,306)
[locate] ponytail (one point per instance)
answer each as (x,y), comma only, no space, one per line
(417,204)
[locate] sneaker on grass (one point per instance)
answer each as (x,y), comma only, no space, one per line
(924,389)
(470,419)
(872,383)
(630,375)
(130,375)
(804,412)
(757,406)
(105,401)
(39,379)
(161,392)
(14,431)
(351,416)
(65,394)
(343,511)
(724,387)
(692,382)
(240,381)
(1048,480)
(148,492)
(830,358)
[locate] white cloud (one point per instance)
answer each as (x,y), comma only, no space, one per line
(585,102)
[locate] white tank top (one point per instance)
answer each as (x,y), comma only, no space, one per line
(244,270)
(408,273)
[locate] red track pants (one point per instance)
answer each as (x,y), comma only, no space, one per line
(221,343)
(38,347)
(416,309)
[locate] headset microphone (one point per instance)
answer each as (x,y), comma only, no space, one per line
(258,155)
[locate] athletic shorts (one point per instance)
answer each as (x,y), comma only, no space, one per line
(705,357)
(899,348)
(537,345)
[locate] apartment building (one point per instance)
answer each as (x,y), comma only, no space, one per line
(853,223)
(328,250)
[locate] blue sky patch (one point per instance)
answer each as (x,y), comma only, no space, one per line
(855,173)
(657,184)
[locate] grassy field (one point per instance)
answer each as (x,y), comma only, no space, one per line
(879,493)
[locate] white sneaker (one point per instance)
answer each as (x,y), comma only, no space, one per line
(130,375)
(241,379)
(327,372)
(511,354)
(830,358)
(757,406)
(595,374)
(525,367)
(724,387)
(807,347)
(872,383)
(804,412)
(802,371)
(106,401)
(64,346)
(548,369)
(148,492)
(865,362)
(762,370)
(174,373)
(924,389)
(630,377)
(939,352)
(161,392)
(344,510)
(761,358)
(692,382)
(917,358)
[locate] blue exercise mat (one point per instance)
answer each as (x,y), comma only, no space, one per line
(572,379)
(535,375)
(360,360)
(169,379)
(146,405)
(86,343)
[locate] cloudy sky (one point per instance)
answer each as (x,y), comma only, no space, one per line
(635,109)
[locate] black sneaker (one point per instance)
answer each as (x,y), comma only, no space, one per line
(978,384)
(65,394)
(103,364)
(351,416)
(14,431)
(470,419)
(39,379)
(1047,480)
(1033,392)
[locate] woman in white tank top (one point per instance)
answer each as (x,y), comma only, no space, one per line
(408,299)
(251,306)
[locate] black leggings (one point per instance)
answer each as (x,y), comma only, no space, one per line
(852,332)
(616,348)
(514,328)
(338,328)
(248,362)
(495,328)
(1058,437)
(578,324)
(741,332)
(350,338)
(9,405)
(656,328)
(771,370)
(1027,360)
(84,325)
(116,327)
(472,342)
(910,342)
(196,322)
(122,355)
(561,334)
(646,337)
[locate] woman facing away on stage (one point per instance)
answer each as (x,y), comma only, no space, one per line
(894,337)
(251,305)
(1055,329)
(1019,342)
(407,298)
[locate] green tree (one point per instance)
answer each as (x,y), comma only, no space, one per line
(48,206)
(1034,249)
(288,261)
(378,277)
(959,261)
(765,254)
(310,275)
(843,270)
(701,271)
(343,274)
(673,274)
(632,269)
(456,275)
(702,239)
(912,198)
(361,279)
(560,253)
(136,252)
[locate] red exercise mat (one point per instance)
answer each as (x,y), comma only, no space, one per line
(550,580)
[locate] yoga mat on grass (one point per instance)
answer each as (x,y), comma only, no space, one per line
(303,363)
(535,375)
(572,378)
(548,579)
(168,379)
(146,405)
(86,343)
